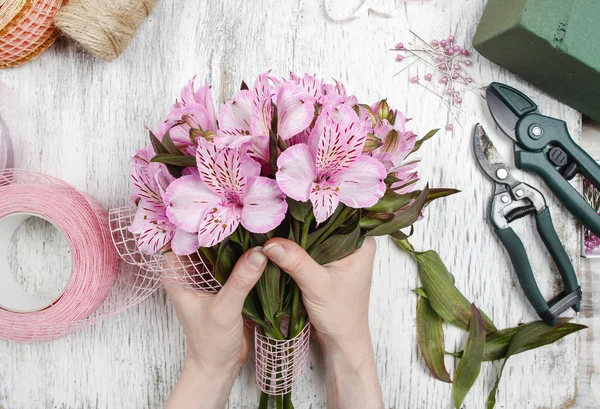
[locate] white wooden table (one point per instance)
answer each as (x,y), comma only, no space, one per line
(88,117)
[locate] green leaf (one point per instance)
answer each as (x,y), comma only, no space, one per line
(268,291)
(420,292)
(157,145)
(527,337)
(316,235)
(406,218)
(497,343)
(338,246)
(253,310)
(439,193)
(273,151)
(370,222)
(301,211)
(391,179)
(170,145)
(445,298)
(431,339)
(226,257)
(469,366)
(183,161)
(398,235)
(428,136)
(392,201)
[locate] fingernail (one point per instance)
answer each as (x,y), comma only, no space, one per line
(274,251)
(256,258)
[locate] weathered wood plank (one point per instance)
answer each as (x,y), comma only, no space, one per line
(87,117)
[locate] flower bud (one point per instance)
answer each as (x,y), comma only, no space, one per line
(209,135)
(391,141)
(383,109)
(372,143)
(195,133)
(369,112)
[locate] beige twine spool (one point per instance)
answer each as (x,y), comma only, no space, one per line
(103,27)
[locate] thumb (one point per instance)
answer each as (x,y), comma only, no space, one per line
(292,259)
(245,275)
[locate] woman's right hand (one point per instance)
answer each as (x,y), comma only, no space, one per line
(336,297)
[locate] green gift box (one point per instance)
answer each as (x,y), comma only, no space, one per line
(554,44)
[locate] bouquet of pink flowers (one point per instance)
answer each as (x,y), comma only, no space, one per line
(293,157)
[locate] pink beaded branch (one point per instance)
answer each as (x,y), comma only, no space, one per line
(448,77)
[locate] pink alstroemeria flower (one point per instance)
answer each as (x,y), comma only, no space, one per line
(397,144)
(149,181)
(226,191)
(331,167)
(195,110)
(246,118)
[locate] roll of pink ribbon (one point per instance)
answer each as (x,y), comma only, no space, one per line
(96,279)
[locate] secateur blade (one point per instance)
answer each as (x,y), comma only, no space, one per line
(489,159)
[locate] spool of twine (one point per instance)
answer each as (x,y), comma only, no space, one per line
(103,27)
(26,29)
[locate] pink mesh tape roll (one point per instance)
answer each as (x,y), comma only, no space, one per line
(30,32)
(192,271)
(279,363)
(99,285)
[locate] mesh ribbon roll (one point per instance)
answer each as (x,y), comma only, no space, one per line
(99,286)
(26,29)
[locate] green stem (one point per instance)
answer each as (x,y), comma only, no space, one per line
(264,401)
(344,215)
(279,402)
(296,324)
(246,240)
(287,401)
(406,245)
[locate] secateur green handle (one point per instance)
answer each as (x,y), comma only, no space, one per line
(570,297)
(530,155)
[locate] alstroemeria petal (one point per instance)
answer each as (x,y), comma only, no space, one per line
(295,110)
(184,243)
(264,205)
(206,158)
(341,142)
(296,172)
(218,223)
(155,235)
(186,117)
(230,174)
(235,116)
(362,185)
(250,167)
(144,185)
(187,200)
(325,200)
(261,117)
(204,97)
(187,92)
(310,83)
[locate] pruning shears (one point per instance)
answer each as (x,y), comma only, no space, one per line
(543,145)
(513,200)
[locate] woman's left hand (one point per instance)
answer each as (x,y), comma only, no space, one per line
(217,341)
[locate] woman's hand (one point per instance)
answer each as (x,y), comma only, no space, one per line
(336,297)
(217,343)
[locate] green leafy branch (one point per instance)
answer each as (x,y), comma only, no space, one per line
(440,301)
